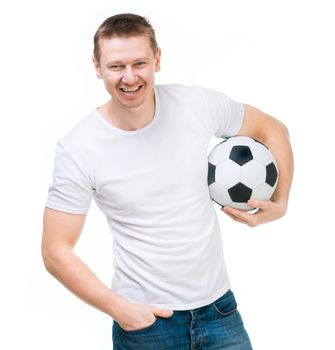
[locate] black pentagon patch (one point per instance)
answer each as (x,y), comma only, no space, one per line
(211,173)
(271,174)
(240,193)
(240,155)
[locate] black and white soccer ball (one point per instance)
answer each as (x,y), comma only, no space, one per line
(241,168)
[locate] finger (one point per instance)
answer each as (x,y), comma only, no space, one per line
(162,313)
(234,217)
(241,216)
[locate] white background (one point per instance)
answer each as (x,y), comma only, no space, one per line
(276,55)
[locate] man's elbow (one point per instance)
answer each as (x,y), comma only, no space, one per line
(53,258)
(48,259)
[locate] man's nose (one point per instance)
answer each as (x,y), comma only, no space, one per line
(129,76)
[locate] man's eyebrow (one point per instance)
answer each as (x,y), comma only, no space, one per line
(113,63)
(141,59)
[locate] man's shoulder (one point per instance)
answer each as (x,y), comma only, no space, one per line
(81,132)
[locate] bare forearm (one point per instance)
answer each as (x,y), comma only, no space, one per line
(76,276)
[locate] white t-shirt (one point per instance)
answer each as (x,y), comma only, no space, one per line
(151,184)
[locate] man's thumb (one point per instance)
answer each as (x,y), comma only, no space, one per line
(162,313)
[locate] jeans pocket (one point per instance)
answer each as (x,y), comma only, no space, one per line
(137,331)
(226,305)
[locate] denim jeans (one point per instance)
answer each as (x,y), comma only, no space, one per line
(214,326)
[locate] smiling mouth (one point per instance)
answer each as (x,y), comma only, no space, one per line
(131,91)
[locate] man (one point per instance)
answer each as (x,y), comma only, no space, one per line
(143,157)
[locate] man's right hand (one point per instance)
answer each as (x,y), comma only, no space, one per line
(132,317)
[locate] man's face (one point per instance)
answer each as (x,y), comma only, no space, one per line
(127,67)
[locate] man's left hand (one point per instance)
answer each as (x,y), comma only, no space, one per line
(267,211)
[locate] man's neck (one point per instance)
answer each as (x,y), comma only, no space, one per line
(128,119)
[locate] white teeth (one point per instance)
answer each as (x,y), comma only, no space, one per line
(130,90)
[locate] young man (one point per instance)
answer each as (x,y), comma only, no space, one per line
(143,157)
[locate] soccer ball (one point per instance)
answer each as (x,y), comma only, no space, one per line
(241,168)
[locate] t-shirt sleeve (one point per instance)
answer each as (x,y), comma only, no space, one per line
(71,190)
(224,115)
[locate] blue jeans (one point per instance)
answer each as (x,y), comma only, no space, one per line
(214,326)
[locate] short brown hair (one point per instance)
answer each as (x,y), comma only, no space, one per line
(124,25)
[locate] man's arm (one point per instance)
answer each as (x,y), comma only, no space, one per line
(274,135)
(61,231)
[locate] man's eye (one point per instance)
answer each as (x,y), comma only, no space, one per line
(115,67)
(141,63)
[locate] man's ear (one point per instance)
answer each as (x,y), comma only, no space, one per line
(158,59)
(97,67)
